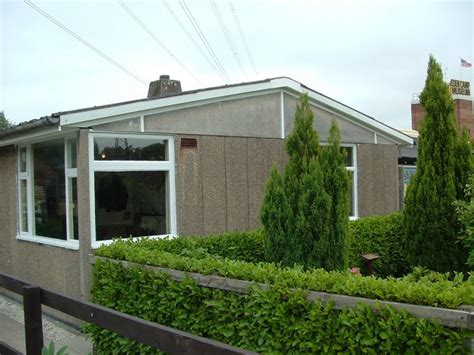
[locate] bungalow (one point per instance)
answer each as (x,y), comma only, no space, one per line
(187,163)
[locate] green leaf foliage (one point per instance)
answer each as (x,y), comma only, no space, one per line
(277,320)
(384,236)
(301,212)
(444,293)
(333,244)
(465,211)
(4,123)
(431,226)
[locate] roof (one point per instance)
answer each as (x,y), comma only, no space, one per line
(86,117)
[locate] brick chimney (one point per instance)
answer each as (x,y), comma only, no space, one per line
(164,87)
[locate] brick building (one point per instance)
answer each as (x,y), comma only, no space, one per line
(463,109)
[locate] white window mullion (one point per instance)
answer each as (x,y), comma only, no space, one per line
(30,190)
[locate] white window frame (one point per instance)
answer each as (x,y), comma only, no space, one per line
(353,169)
(131,166)
(30,236)
(355,193)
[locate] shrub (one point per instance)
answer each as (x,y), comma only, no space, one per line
(304,212)
(272,321)
(466,218)
(383,235)
(444,293)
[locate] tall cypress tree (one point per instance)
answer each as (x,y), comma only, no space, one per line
(333,245)
(429,215)
(297,211)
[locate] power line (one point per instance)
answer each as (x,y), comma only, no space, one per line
(237,22)
(83,41)
(204,40)
(227,35)
(155,38)
(189,35)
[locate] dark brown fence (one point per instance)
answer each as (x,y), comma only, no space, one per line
(158,336)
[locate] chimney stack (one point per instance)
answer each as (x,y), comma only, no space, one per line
(164,87)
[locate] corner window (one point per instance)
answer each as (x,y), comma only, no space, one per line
(132,192)
(47,205)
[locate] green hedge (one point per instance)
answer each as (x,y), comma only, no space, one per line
(379,234)
(384,236)
(273,321)
(443,293)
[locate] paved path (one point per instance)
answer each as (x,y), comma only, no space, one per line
(12,330)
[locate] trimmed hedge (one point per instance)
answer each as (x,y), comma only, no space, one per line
(384,236)
(379,234)
(443,293)
(273,321)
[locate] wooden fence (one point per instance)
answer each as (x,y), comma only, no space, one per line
(158,336)
(455,318)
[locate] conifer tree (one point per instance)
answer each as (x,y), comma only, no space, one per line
(333,250)
(296,211)
(464,164)
(429,216)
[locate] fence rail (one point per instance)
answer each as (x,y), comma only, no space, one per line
(158,336)
(454,318)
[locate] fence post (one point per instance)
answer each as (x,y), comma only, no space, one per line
(33,319)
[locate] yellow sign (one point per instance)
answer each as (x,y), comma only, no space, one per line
(458,87)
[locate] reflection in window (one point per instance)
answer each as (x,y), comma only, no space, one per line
(23,160)
(72,209)
(23,206)
(107,148)
(130,204)
(49,189)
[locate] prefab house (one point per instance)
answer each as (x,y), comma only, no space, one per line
(174,163)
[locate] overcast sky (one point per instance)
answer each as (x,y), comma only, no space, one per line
(370,55)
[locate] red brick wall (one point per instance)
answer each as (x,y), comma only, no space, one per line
(462,112)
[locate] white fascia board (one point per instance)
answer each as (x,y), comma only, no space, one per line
(136,109)
(75,119)
(367,122)
(32,137)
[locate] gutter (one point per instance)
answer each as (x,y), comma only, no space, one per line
(46,121)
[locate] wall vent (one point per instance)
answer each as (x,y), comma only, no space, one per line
(189,143)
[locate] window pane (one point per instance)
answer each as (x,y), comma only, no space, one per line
(348,151)
(129,149)
(24,205)
(49,189)
(130,204)
(23,160)
(71,154)
(72,209)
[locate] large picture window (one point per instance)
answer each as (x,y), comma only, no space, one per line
(132,190)
(47,193)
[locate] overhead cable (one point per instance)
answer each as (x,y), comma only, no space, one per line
(237,22)
(204,40)
(227,35)
(83,41)
(155,38)
(189,35)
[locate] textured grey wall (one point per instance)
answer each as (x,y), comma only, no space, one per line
(220,184)
(257,116)
(377,179)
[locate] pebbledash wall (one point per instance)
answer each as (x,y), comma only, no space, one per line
(219,146)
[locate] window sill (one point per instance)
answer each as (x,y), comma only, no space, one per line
(66,244)
(97,244)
